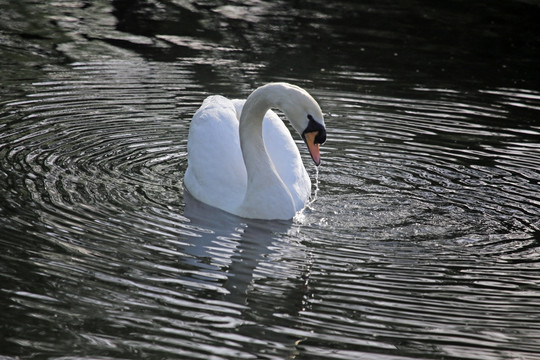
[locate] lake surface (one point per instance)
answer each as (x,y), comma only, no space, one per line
(423,241)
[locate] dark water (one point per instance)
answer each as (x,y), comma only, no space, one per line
(423,242)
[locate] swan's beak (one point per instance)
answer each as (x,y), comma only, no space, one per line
(313,147)
(313,135)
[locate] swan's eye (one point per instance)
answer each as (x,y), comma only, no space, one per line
(310,118)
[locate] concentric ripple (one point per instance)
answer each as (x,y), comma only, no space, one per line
(438,164)
(422,242)
(97,140)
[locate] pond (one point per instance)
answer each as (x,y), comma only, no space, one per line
(423,236)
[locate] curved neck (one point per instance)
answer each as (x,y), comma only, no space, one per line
(251,136)
(262,177)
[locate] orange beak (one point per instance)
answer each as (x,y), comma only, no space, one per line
(309,138)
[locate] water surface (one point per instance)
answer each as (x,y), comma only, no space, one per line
(423,240)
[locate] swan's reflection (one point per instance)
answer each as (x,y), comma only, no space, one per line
(234,245)
(267,270)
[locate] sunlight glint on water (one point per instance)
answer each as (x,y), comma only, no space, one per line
(402,209)
(420,239)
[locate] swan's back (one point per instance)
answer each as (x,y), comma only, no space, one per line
(216,173)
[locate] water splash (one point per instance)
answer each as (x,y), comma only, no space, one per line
(316,188)
(301,216)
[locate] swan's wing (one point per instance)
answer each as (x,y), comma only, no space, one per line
(216,173)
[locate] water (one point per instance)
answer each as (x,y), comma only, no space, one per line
(423,239)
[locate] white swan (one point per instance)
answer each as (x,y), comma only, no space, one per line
(242,158)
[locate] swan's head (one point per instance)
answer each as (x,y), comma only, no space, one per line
(305,115)
(314,134)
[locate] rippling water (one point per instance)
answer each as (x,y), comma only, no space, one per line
(423,240)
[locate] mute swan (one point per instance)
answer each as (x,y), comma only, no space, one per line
(242,158)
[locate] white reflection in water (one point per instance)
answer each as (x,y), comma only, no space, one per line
(241,248)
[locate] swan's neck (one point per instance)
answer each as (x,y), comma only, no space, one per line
(265,190)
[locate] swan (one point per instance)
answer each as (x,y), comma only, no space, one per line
(242,158)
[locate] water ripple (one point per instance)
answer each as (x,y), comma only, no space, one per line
(423,237)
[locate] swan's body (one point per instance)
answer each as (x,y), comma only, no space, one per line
(242,158)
